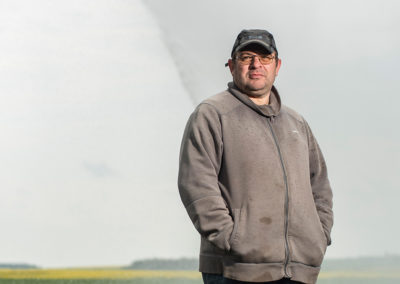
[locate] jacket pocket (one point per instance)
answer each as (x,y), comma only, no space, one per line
(307,240)
(256,237)
(236,221)
(324,234)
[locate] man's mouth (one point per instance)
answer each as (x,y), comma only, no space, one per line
(255,75)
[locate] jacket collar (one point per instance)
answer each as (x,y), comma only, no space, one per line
(270,110)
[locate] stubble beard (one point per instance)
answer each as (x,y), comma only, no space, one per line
(251,87)
(256,92)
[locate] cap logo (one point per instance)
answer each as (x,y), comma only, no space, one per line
(254,37)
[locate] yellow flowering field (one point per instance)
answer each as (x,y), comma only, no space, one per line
(94,274)
(172,276)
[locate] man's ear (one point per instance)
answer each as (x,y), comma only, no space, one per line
(230,64)
(278,66)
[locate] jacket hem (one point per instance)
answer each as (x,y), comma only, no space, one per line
(257,272)
(254,272)
(303,272)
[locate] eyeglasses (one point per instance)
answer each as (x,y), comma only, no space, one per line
(247,58)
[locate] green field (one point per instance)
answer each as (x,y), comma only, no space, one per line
(359,281)
(366,270)
(103,281)
(123,276)
(178,281)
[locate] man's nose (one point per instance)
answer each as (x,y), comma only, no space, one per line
(255,61)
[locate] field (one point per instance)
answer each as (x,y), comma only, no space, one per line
(123,276)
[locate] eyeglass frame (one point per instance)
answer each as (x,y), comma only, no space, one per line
(235,57)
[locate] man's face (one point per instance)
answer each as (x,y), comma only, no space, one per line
(254,78)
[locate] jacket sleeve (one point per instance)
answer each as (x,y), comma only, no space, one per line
(321,188)
(199,164)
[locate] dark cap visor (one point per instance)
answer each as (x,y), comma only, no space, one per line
(267,47)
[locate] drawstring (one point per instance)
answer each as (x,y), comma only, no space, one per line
(271,119)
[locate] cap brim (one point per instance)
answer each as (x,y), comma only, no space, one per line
(268,47)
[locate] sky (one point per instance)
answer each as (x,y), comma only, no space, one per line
(95,96)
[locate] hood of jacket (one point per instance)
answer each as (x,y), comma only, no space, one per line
(270,110)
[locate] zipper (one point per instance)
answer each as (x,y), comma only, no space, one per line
(286,199)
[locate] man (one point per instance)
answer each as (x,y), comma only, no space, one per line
(253,179)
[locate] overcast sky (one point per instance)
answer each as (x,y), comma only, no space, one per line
(95,96)
(340,63)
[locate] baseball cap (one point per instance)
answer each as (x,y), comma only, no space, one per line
(255,36)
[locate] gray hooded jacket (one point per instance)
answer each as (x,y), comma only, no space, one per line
(254,183)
